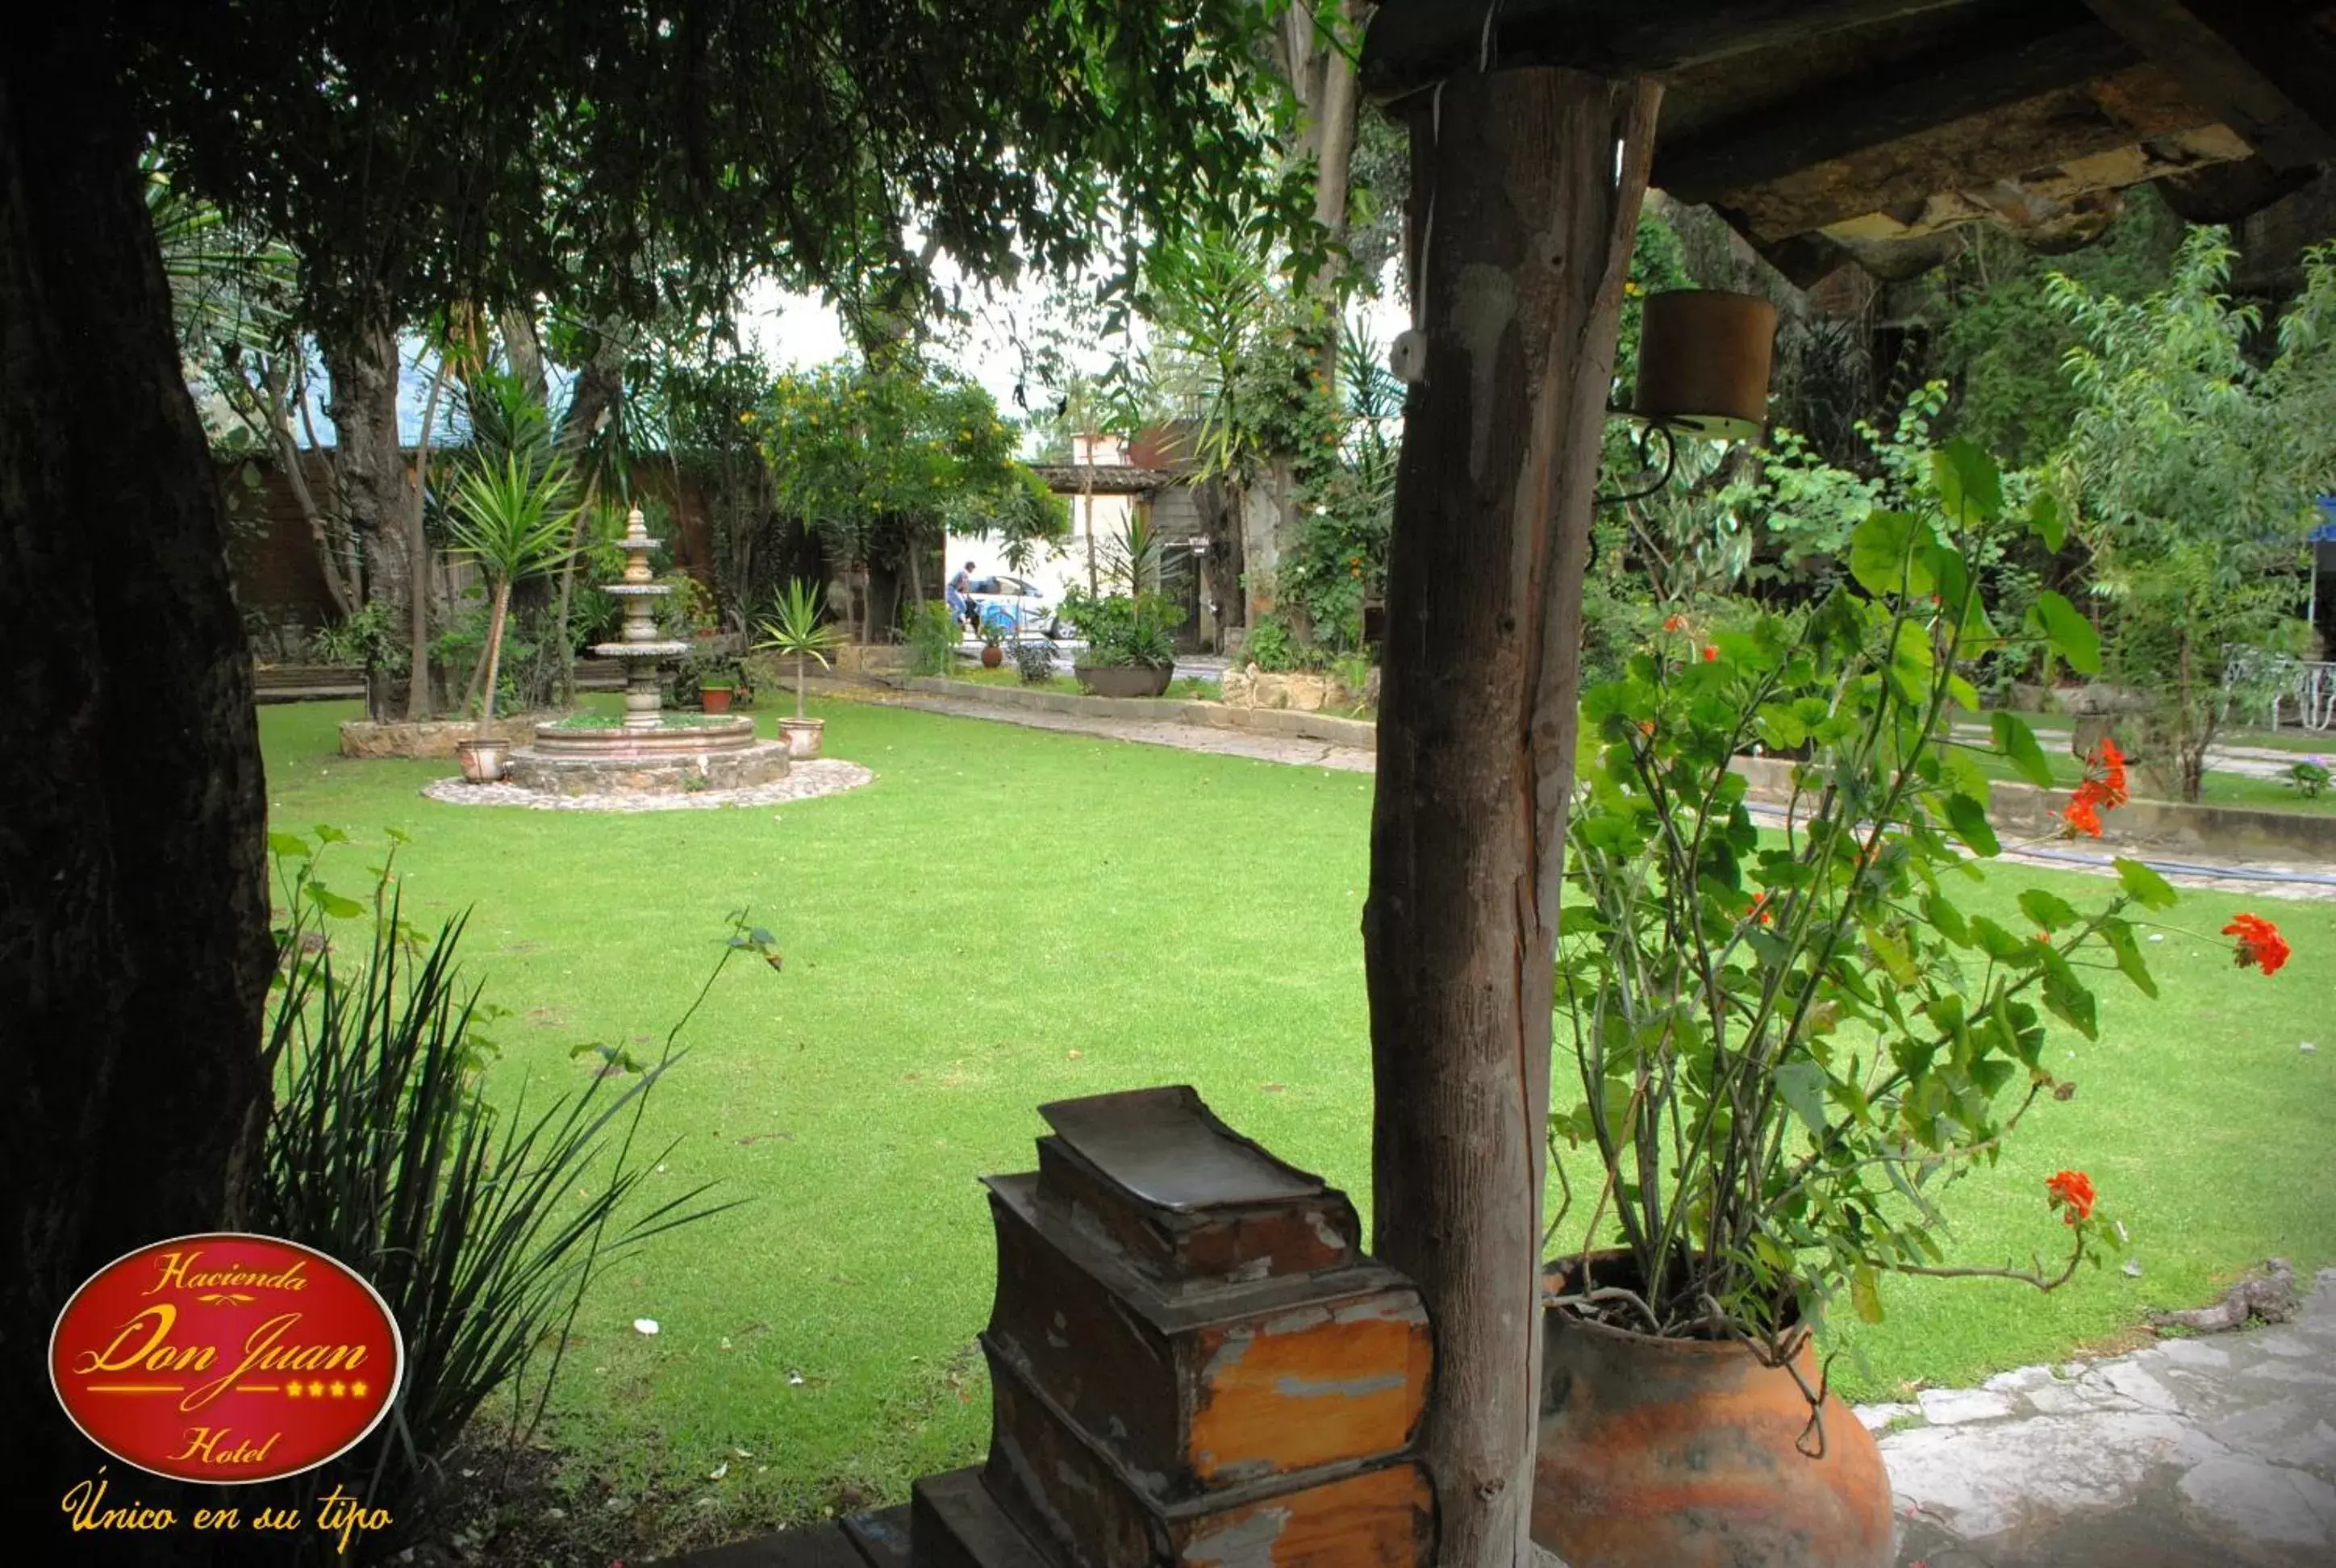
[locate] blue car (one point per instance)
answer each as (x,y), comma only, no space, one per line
(1003,602)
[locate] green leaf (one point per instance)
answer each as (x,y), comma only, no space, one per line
(1946,920)
(291,846)
(328,834)
(2017,743)
(2067,996)
(1967,481)
(2149,889)
(2120,936)
(1885,557)
(2071,636)
(2001,945)
(1967,817)
(2045,517)
(1866,1292)
(2048,910)
(1892,954)
(1802,1086)
(333,904)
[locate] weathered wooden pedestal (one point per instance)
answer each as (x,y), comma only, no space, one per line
(1193,1364)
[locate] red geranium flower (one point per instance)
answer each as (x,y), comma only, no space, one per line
(2259,944)
(2071,1193)
(1674,623)
(1710,653)
(2103,789)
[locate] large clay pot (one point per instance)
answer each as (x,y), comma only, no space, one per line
(1125,680)
(713,699)
(992,656)
(801,736)
(483,761)
(1688,1454)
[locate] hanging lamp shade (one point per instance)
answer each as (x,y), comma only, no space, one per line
(1704,358)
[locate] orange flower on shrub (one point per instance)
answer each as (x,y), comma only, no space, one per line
(1674,623)
(1711,652)
(2103,789)
(2071,1193)
(2259,944)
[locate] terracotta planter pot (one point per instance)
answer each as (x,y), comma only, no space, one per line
(1682,1454)
(992,656)
(1124,679)
(801,736)
(483,761)
(713,699)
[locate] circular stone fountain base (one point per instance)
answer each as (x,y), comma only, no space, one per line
(803,781)
(565,760)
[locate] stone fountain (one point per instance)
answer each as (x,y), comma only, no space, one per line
(651,751)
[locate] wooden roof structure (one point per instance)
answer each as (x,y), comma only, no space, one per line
(1828,130)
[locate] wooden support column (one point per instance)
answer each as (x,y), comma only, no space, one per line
(1520,234)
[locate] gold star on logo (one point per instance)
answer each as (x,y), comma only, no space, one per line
(357,1389)
(340,1390)
(315,1389)
(292,1390)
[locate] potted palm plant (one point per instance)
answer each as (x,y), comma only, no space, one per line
(513,519)
(1785,1045)
(796,630)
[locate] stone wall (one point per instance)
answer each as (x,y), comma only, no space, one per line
(1305,691)
(431,737)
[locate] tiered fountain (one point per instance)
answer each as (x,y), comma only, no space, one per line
(651,751)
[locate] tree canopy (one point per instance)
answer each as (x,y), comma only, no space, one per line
(642,156)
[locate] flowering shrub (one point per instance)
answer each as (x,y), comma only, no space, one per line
(1787,1042)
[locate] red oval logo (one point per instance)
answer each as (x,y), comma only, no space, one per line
(226,1358)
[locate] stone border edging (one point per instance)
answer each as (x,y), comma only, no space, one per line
(2022,808)
(1289,722)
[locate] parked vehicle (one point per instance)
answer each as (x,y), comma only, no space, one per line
(1011,603)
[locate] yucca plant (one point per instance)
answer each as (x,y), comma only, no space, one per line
(514,520)
(794,630)
(381,1149)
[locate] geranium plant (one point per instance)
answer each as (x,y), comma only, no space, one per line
(1789,1035)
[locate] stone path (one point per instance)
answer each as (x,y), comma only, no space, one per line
(1183,736)
(2220,1450)
(820,776)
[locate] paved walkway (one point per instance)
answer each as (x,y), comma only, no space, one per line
(2195,1452)
(2229,757)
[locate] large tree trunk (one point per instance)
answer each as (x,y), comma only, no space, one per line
(134,912)
(362,362)
(1519,299)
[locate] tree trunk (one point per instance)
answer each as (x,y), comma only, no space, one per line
(276,394)
(362,363)
(495,618)
(523,351)
(417,535)
(134,952)
(1519,299)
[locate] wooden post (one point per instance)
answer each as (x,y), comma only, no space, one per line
(1521,221)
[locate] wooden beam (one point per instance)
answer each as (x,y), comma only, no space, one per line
(2267,68)
(2122,110)
(1975,75)
(1534,178)
(1415,43)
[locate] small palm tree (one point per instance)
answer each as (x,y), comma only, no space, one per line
(796,632)
(514,520)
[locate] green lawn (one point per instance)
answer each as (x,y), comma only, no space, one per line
(1007,916)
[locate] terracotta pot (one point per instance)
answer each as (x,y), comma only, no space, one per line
(713,699)
(1688,1454)
(483,761)
(992,656)
(1124,679)
(801,736)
